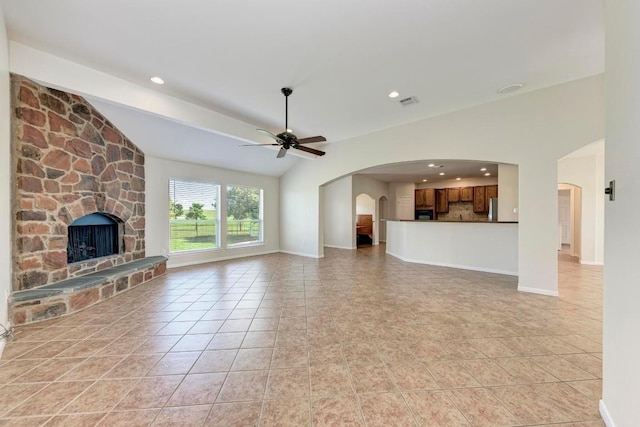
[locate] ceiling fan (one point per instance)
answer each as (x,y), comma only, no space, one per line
(288,139)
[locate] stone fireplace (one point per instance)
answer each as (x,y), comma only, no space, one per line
(76,177)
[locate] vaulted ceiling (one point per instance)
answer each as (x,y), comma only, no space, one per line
(341,57)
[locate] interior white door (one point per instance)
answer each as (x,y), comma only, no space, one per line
(404,207)
(564,217)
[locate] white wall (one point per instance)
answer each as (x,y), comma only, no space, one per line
(621,370)
(338,210)
(365,205)
(490,247)
(159,171)
(60,73)
(397,190)
(565,215)
(577,219)
(532,130)
(5,176)
(383,207)
(586,172)
(508,192)
(363,184)
(600,204)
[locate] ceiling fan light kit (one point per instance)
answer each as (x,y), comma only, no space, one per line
(288,139)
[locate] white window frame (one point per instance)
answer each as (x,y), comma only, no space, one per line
(216,221)
(260,220)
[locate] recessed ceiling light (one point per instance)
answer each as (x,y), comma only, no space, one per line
(441,173)
(487,174)
(394,94)
(424,180)
(511,88)
(157,80)
(483,169)
(431,165)
(458,179)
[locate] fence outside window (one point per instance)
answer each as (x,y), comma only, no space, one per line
(244,231)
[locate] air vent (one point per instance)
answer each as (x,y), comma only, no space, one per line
(408,101)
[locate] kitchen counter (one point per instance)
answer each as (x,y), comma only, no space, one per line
(473,245)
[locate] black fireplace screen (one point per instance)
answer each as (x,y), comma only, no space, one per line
(92,236)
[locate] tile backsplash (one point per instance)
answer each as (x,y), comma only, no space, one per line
(462,211)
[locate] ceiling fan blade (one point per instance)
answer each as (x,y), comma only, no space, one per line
(269,134)
(310,150)
(311,139)
(281,153)
(255,145)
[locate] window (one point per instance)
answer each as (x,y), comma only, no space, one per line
(193,215)
(244,215)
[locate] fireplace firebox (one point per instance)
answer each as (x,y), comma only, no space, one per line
(93,236)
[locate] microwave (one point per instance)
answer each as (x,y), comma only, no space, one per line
(424,214)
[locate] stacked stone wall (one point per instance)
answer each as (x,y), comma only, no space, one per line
(69,161)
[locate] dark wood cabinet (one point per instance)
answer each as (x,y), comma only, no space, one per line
(479,199)
(430,196)
(419,199)
(466,194)
(442,201)
(491,191)
(453,195)
(425,198)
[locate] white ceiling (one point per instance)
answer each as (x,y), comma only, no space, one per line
(418,171)
(158,137)
(341,57)
(593,149)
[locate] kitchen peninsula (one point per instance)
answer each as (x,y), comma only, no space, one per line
(472,245)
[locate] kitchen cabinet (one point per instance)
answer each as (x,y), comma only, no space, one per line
(466,194)
(419,199)
(453,195)
(442,202)
(491,191)
(479,199)
(425,198)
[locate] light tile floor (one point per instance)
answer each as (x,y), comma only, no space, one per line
(356,338)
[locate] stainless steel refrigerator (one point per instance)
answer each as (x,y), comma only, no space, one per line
(493,209)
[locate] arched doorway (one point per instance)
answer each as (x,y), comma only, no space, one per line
(570,220)
(365,220)
(580,184)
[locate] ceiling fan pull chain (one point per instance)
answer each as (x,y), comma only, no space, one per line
(286,113)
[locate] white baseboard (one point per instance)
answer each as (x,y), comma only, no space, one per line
(591,263)
(178,264)
(462,267)
(340,247)
(538,291)
(605,415)
(301,254)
